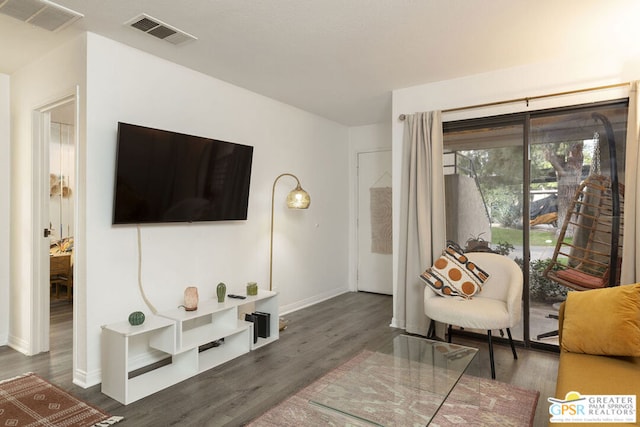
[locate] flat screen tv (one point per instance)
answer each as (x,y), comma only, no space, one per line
(164,176)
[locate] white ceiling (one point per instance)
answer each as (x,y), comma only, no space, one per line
(342,58)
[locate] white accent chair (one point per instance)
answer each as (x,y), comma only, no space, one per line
(498,306)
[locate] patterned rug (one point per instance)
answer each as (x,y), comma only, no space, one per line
(29,400)
(473,402)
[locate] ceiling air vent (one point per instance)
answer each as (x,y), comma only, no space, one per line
(41,13)
(159,29)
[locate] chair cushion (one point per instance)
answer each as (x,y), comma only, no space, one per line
(581,278)
(453,274)
(479,313)
(603,321)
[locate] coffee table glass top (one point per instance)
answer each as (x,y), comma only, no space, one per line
(403,383)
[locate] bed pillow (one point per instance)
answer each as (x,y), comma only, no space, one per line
(453,274)
(603,321)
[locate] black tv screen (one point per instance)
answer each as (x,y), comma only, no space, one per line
(164,176)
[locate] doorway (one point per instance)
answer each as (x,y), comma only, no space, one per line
(55,147)
(374,241)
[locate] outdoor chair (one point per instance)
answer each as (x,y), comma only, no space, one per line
(592,258)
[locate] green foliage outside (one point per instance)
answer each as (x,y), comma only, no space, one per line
(514,236)
(505,206)
(498,170)
(499,173)
(542,289)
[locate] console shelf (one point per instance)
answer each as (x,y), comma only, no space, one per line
(175,345)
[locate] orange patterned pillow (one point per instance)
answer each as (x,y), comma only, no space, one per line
(453,274)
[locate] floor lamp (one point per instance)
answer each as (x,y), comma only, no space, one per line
(296,199)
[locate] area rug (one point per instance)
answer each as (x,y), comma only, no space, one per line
(29,400)
(473,402)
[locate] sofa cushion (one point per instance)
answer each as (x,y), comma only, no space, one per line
(453,274)
(597,375)
(603,321)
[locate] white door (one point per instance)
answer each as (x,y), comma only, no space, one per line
(375,265)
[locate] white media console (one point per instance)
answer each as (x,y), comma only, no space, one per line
(175,345)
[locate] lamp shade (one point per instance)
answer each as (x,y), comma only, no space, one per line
(298,199)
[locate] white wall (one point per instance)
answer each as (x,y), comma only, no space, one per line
(55,75)
(310,247)
(362,139)
(603,67)
(5,224)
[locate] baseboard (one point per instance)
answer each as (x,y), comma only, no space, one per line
(420,329)
(80,378)
(299,305)
(396,324)
(18,345)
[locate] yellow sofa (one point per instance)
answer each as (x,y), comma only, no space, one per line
(599,355)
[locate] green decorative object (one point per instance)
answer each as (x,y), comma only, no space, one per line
(252,288)
(221,291)
(136,318)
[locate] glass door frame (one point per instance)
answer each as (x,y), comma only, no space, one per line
(524,119)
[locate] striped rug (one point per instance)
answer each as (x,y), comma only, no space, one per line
(473,402)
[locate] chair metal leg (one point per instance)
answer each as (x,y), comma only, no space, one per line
(493,368)
(431,333)
(550,333)
(449,333)
(513,347)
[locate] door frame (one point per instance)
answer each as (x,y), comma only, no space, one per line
(40,310)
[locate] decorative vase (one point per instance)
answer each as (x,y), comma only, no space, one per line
(221,291)
(252,288)
(136,318)
(191,298)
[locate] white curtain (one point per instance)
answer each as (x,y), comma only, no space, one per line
(422,216)
(631,243)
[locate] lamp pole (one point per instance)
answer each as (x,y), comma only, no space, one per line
(297,199)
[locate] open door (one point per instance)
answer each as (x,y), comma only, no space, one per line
(55,168)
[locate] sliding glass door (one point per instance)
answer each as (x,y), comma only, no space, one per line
(510,182)
(484,181)
(567,147)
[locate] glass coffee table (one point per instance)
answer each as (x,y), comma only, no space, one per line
(403,383)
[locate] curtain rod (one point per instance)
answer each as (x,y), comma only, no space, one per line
(527,99)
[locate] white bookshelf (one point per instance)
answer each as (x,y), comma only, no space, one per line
(178,344)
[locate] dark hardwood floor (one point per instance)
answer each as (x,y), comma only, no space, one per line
(317,339)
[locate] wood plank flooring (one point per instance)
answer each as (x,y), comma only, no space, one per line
(317,339)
